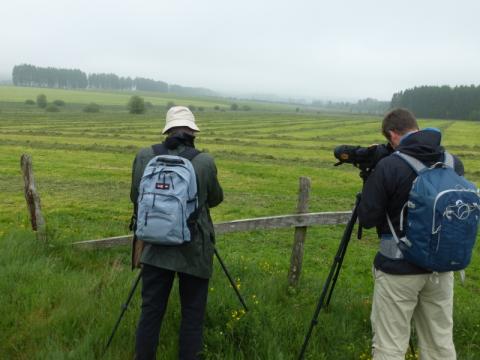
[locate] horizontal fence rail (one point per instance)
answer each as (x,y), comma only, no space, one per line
(262,223)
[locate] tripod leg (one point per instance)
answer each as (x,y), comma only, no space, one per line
(335,269)
(124,308)
(347,235)
(230,279)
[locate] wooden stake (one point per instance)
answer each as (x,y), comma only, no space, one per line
(300,234)
(32,198)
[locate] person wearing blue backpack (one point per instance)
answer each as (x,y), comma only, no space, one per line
(173,187)
(426,215)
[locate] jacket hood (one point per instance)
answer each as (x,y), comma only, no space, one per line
(423,145)
(176,139)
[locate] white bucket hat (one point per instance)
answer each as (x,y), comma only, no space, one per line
(179,116)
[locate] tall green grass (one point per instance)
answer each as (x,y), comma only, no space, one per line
(59,302)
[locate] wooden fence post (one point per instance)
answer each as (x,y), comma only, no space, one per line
(300,234)
(33,199)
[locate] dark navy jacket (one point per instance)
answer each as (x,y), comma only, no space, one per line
(388,186)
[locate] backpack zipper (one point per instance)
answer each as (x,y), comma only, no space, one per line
(183,222)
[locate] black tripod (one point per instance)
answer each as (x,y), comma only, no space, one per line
(328,286)
(137,280)
(230,279)
(124,308)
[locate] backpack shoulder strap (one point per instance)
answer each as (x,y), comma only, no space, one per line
(159,149)
(448,159)
(415,164)
(189,153)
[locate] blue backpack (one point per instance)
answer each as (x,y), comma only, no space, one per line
(167,198)
(443,211)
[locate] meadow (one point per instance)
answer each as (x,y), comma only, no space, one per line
(59,302)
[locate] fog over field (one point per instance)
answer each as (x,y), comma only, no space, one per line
(319,49)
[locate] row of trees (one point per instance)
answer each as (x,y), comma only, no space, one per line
(144,84)
(441,102)
(110,81)
(115,82)
(30,75)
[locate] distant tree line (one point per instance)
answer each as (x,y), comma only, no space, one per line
(110,81)
(365,106)
(191,91)
(144,84)
(30,75)
(441,102)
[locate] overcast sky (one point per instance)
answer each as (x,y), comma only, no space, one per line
(322,49)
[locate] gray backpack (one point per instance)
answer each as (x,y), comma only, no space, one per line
(167,198)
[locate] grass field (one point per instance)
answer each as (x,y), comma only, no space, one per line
(61,303)
(120,98)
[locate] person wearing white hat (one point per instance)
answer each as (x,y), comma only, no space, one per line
(180,116)
(192,261)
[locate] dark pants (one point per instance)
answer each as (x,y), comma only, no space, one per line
(156,286)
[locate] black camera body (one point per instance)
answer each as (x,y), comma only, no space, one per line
(364,158)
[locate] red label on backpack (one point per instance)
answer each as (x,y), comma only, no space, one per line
(162,186)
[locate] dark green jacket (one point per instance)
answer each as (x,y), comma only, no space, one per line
(196,257)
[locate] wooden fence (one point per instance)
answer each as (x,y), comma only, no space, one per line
(299,221)
(261,223)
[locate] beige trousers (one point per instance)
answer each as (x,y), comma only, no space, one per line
(425,298)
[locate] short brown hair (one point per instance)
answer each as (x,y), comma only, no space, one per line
(400,121)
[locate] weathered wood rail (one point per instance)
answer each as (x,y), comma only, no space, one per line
(262,223)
